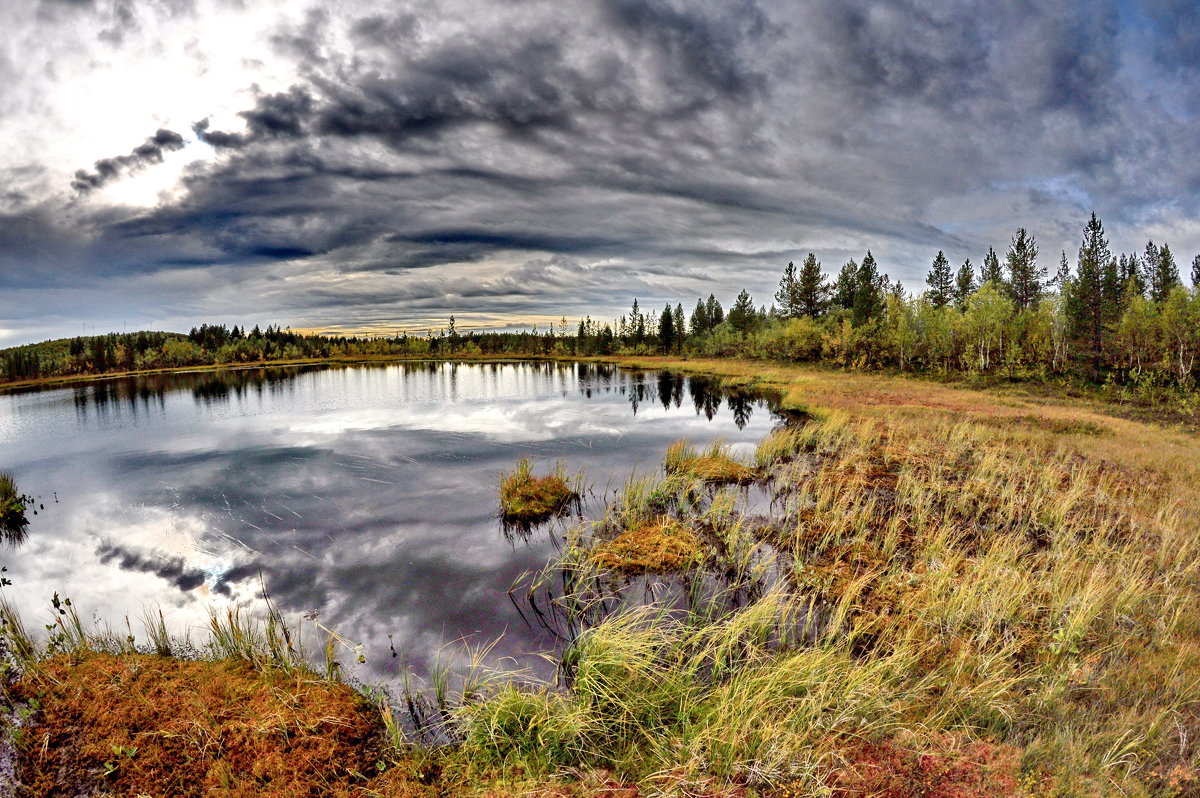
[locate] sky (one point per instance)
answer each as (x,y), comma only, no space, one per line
(381,166)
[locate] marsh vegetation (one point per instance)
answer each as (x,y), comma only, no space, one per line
(14,520)
(527,500)
(921,591)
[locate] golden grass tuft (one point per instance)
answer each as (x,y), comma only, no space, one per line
(527,500)
(714,466)
(657,546)
(13,504)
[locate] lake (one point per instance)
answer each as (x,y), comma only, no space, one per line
(362,496)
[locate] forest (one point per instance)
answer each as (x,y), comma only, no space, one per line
(1121,320)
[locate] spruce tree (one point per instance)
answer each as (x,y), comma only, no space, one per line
(637,324)
(868,291)
(1162,273)
(1063,278)
(666,329)
(713,312)
(788,295)
(940,282)
(1150,266)
(680,330)
(1129,271)
(742,315)
(1025,279)
(1196,272)
(1090,306)
(699,320)
(846,286)
(990,273)
(814,291)
(964,284)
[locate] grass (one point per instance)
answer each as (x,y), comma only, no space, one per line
(527,500)
(977,598)
(655,546)
(951,595)
(13,504)
(713,466)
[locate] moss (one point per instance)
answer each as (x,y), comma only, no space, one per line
(657,546)
(527,500)
(137,724)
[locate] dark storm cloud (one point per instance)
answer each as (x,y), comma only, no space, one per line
(284,114)
(151,151)
(520,81)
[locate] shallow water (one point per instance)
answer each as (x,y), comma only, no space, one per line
(363,495)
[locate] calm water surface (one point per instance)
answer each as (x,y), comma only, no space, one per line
(366,495)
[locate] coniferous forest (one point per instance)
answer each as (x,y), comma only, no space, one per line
(1125,321)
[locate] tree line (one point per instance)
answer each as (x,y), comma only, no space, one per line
(1126,319)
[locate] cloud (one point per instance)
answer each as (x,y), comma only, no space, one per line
(401,161)
(149,152)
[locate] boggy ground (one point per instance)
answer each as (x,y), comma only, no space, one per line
(967,595)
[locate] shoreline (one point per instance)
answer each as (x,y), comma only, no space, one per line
(759,375)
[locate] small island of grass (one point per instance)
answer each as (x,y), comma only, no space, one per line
(527,500)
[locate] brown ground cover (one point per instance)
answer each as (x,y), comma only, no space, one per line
(139,724)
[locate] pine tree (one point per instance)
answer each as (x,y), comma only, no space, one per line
(868,291)
(1161,272)
(1062,279)
(1025,279)
(814,291)
(846,286)
(788,295)
(964,284)
(713,312)
(666,329)
(742,315)
(699,320)
(1130,272)
(940,282)
(637,324)
(990,273)
(1196,272)
(1149,266)
(1091,309)
(678,320)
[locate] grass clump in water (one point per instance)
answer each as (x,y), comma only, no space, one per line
(657,546)
(714,465)
(527,500)
(13,504)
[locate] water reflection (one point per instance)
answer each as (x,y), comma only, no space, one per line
(366,495)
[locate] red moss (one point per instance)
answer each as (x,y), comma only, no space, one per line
(141,724)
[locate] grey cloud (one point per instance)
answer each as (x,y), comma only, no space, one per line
(540,155)
(172,569)
(151,151)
